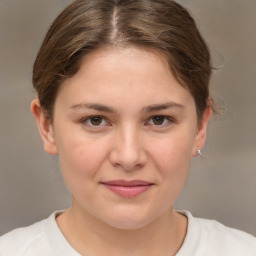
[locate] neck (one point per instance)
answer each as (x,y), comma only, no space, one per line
(90,236)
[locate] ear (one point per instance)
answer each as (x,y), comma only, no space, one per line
(201,132)
(44,126)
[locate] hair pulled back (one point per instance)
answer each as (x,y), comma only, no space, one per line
(86,25)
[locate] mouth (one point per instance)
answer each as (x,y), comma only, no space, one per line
(126,188)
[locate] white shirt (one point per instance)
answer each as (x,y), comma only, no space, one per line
(204,238)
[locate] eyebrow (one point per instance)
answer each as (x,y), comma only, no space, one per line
(94,106)
(150,108)
(157,107)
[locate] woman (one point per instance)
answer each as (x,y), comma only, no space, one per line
(123,100)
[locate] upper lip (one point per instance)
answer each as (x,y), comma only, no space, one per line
(127,183)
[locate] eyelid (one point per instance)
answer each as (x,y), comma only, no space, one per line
(169,119)
(88,118)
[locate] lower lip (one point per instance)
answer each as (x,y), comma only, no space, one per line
(124,191)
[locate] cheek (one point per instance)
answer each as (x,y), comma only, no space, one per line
(81,158)
(80,163)
(174,150)
(172,158)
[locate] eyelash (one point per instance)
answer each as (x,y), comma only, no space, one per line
(167,121)
(89,119)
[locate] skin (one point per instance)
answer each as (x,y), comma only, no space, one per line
(146,129)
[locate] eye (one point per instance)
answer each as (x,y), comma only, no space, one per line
(95,121)
(160,120)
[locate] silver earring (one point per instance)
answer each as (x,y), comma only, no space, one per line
(199,152)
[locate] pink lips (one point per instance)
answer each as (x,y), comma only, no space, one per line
(125,188)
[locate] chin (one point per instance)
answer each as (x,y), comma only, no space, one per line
(129,220)
(128,223)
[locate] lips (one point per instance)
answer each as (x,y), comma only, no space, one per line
(126,188)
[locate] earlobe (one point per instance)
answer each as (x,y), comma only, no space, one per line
(201,132)
(45,127)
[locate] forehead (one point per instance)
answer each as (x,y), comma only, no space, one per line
(126,59)
(129,73)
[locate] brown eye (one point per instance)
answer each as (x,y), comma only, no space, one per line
(158,120)
(95,121)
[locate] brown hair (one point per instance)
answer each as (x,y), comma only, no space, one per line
(86,25)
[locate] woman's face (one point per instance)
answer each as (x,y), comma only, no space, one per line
(125,131)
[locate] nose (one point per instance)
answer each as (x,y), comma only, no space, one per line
(128,151)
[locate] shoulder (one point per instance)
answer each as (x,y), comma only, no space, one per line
(216,239)
(21,241)
(227,237)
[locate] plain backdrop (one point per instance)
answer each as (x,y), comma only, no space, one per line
(222,184)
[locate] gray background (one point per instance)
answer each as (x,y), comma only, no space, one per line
(222,184)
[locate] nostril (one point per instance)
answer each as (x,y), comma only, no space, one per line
(128,151)
(128,161)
